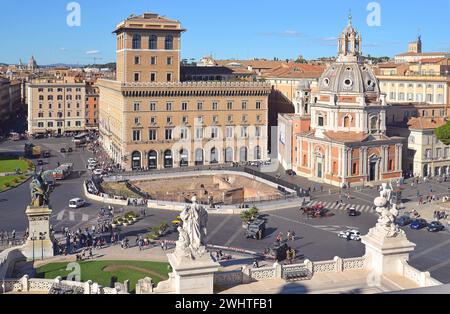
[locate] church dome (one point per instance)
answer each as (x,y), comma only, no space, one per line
(351,77)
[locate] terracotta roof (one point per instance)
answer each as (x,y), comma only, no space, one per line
(213,70)
(422,123)
(346,136)
(389,65)
(256,64)
(423,54)
(297,70)
(432,60)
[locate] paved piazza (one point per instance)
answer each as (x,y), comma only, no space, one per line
(316,238)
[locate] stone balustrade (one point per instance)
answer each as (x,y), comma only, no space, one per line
(423,279)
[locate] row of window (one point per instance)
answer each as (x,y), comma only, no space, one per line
(418,85)
(50,106)
(439,153)
(152,42)
(58,124)
(153,59)
(59,114)
(59,89)
(199,133)
(153,77)
(59,97)
(418,98)
(200,105)
(200,119)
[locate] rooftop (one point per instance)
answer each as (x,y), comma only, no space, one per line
(423,123)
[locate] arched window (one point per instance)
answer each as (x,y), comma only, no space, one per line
(135,160)
(168,159)
(257,153)
(136,42)
(168,43)
(199,157)
(184,158)
(374,124)
(229,155)
(153,42)
(214,156)
(243,154)
(346,122)
(152,160)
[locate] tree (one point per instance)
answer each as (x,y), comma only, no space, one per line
(443,133)
(300,59)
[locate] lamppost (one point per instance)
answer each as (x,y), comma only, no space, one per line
(42,238)
(33,238)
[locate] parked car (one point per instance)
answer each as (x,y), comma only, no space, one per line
(63,150)
(91,167)
(290,172)
(92,161)
(46,154)
(76,203)
(418,224)
(353,234)
(435,226)
(40,162)
(403,221)
(70,149)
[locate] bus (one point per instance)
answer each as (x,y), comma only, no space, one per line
(63,171)
(80,139)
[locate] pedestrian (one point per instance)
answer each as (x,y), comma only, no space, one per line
(162,245)
(255,263)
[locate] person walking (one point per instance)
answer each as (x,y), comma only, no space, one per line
(255,263)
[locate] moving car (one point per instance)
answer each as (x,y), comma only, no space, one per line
(403,221)
(290,172)
(46,154)
(352,212)
(435,226)
(418,224)
(76,203)
(63,150)
(40,162)
(254,228)
(69,150)
(98,172)
(354,235)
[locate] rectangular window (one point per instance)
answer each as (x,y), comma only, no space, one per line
(320,121)
(136,135)
(429,98)
(136,77)
(230,118)
(184,133)
(199,133)
(168,106)
(258,118)
(68,123)
(168,134)
(136,106)
(184,106)
(440,99)
(137,120)
(169,120)
(137,60)
(258,105)
(200,106)
(215,119)
(258,131)
(230,105)
(244,118)
(214,132)
(393,96)
(77,123)
(230,132)
(244,132)
(40,124)
(153,120)
(215,105)
(152,77)
(401,96)
(153,60)
(152,133)
(153,106)
(169,77)
(244,105)
(185,120)
(169,60)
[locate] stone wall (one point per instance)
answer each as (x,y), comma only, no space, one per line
(8,258)
(423,279)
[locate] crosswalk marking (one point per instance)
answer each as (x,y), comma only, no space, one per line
(85,217)
(60,215)
(71,216)
(343,207)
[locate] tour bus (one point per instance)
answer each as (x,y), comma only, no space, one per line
(80,139)
(63,171)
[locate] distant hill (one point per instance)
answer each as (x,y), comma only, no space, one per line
(3,64)
(111,66)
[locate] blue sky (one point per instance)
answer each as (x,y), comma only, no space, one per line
(226,29)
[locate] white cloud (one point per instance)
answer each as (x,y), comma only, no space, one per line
(92,52)
(63,49)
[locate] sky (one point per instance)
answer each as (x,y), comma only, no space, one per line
(226,29)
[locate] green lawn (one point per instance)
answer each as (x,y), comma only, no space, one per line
(10,180)
(10,165)
(95,271)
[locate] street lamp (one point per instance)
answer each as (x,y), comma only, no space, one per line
(33,238)
(42,238)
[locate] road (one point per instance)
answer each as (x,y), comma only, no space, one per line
(316,238)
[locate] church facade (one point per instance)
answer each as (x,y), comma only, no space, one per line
(346,142)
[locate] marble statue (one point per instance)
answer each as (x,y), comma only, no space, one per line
(388,213)
(39,191)
(192,234)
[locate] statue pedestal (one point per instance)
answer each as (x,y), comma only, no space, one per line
(385,255)
(39,244)
(193,276)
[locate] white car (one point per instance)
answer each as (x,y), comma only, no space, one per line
(98,172)
(92,161)
(76,203)
(350,234)
(92,167)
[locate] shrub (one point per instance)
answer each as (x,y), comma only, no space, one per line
(7,184)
